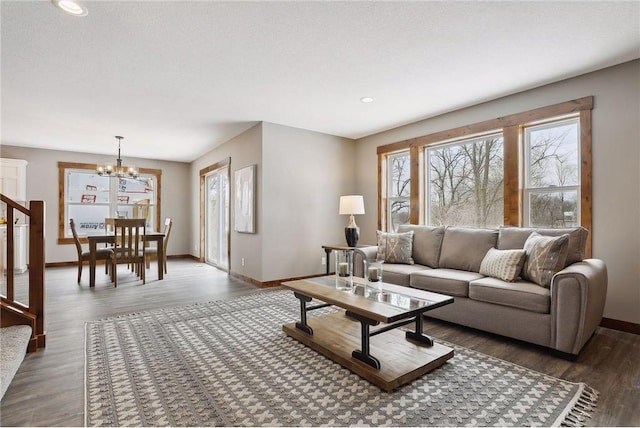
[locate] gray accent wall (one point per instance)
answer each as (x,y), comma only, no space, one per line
(304,175)
(301,175)
(616,167)
(42,185)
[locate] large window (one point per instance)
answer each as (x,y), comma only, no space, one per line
(89,198)
(464,183)
(527,169)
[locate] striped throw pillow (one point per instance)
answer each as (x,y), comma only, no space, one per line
(503,264)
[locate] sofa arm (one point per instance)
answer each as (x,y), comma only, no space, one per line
(578,295)
(360,255)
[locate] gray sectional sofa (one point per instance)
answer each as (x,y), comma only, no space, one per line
(561,316)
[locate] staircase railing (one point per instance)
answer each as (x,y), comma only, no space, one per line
(12,311)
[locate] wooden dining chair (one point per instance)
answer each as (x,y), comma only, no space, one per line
(130,238)
(105,254)
(152,252)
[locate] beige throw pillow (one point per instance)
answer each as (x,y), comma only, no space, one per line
(503,264)
(395,247)
(546,256)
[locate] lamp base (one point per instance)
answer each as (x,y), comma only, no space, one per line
(352,234)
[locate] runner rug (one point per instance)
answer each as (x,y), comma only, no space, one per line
(228,363)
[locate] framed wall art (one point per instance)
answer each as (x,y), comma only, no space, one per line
(244,201)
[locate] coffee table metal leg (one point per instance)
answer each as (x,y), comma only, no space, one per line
(363,354)
(418,335)
(302,324)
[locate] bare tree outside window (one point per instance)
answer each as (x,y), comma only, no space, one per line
(465,183)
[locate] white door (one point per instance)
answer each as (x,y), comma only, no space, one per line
(217,218)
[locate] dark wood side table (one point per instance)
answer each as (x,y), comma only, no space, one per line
(329,248)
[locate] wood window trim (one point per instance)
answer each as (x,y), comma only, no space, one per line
(513,165)
(382,191)
(518,119)
(586,182)
(63,166)
(511,127)
(203,172)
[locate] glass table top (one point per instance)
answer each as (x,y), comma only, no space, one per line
(387,294)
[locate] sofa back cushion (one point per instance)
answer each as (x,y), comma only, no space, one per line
(427,241)
(512,238)
(464,248)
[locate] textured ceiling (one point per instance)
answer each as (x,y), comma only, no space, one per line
(178,78)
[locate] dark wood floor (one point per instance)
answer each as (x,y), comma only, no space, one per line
(48,388)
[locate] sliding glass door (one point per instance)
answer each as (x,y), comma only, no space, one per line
(217,218)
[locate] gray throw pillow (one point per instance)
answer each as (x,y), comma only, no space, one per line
(503,264)
(395,247)
(546,256)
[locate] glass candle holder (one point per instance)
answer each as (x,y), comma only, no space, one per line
(344,273)
(373,273)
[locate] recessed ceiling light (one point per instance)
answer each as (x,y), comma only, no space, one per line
(366,99)
(71,7)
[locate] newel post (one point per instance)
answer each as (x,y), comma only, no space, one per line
(36,268)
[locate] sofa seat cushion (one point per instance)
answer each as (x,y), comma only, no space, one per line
(395,273)
(520,294)
(451,282)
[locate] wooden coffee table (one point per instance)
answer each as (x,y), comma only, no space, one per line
(388,361)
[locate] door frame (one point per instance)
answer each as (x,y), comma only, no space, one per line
(203,172)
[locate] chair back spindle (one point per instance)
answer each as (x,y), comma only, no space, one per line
(130,243)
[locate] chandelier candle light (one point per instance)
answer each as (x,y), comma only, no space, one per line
(119,170)
(351,205)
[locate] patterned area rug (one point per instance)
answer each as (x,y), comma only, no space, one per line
(228,363)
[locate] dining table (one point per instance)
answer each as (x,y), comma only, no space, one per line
(110,238)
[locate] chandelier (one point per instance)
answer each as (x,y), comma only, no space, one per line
(119,170)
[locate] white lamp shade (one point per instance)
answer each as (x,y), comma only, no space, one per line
(351,204)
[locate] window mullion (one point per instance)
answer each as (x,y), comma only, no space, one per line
(414,202)
(512,188)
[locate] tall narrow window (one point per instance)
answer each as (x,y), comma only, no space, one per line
(552,174)
(465,182)
(399,190)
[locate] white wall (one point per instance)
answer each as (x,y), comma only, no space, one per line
(616,168)
(244,150)
(42,184)
(304,175)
